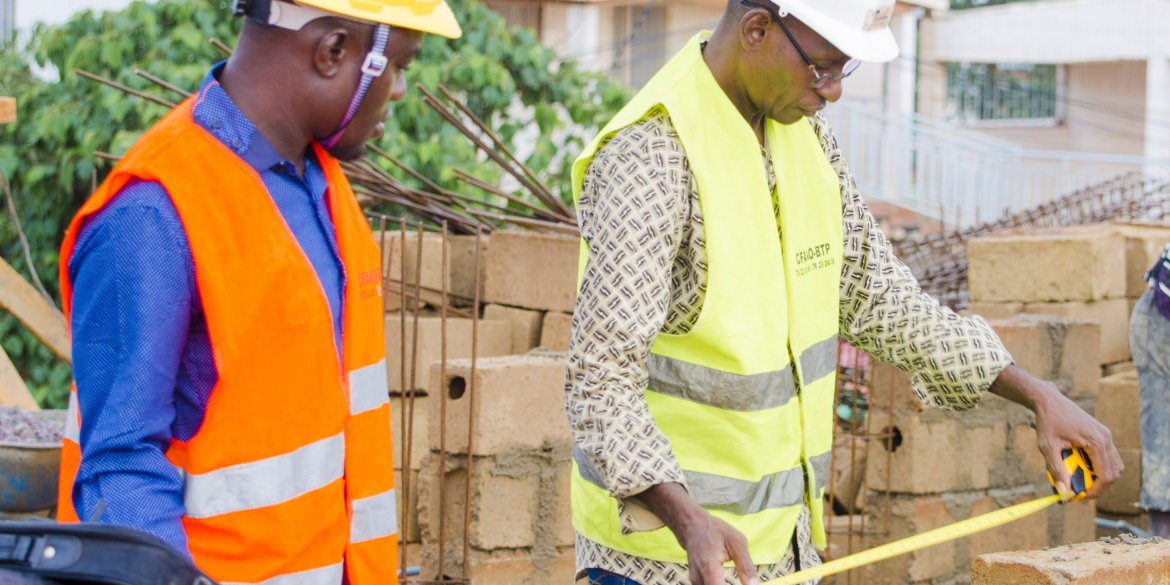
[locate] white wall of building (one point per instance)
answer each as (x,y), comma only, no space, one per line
(58,11)
(1116,97)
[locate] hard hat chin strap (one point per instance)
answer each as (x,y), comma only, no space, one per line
(372,68)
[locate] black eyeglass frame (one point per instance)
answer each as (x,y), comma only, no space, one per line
(820,80)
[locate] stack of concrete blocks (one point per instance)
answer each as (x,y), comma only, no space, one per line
(1092,273)
(519,528)
(938,467)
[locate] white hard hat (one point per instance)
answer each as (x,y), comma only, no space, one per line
(859,28)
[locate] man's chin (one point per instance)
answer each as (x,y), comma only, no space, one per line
(348,152)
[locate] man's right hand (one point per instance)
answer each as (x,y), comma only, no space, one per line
(709,541)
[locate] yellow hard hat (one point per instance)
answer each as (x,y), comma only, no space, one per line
(429,16)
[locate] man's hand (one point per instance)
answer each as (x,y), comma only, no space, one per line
(1061,424)
(709,541)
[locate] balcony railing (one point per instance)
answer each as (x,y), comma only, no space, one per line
(960,176)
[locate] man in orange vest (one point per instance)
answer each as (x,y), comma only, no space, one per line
(223,291)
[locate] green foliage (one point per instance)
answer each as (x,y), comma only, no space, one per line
(546,105)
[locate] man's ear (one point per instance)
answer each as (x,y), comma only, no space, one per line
(330,51)
(753,28)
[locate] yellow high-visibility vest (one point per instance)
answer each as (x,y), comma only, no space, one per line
(746,397)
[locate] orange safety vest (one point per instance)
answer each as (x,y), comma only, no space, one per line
(290,478)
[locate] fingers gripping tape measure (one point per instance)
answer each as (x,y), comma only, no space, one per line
(1076,461)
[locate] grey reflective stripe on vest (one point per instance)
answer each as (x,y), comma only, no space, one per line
(330,575)
(819,360)
(736,496)
(266,482)
(716,492)
(72,431)
(820,465)
(374,517)
(368,388)
(720,389)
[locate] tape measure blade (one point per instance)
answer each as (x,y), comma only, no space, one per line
(919,541)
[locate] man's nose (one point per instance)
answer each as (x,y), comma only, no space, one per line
(399,90)
(831,91)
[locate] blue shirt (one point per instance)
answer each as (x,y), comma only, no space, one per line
(142,359)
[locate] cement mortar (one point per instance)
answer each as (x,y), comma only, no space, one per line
(33,428)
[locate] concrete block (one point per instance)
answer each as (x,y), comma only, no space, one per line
(991,311)
(460,267)
(1055,348)
(1119,407)
(909,515)
(408,525)
(848,473)
(557,329)
(525,493)
(502,567)
(1028,532)
(935,452)
(532,270)
(1123,496)
(495,339)
(889,388)
(1052,266)
(1111,314)
(519,404)
(1143,246)
(846,536)
(418,436)
(1130,562)
(1023,463)
(1072,523)
(503,506)
(526,325)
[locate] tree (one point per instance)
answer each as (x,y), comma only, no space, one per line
(505,75)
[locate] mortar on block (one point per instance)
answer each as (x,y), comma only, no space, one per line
(30,458)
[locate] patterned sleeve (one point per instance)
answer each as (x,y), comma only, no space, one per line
(632,211)
(953,359)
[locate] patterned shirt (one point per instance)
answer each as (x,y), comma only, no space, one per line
(640,215)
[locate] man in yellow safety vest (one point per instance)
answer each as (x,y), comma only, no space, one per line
(725,249)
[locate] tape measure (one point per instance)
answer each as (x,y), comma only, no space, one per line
(1076,461)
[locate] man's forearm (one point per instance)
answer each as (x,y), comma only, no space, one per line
(1023,388)
(673,505)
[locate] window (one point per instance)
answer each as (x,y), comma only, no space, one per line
(1003,94)
(639,42)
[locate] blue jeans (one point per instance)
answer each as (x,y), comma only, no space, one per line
(1149,338)
(599,577)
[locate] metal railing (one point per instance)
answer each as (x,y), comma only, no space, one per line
(959,176)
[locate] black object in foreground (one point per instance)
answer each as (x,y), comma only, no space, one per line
(47,553)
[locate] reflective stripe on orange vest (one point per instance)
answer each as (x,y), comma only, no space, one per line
(289,480)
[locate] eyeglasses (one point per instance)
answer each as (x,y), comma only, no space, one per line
(820,79)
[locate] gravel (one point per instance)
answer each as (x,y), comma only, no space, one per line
(18,426)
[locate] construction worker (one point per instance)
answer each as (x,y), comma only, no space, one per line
(725,249)
(1149,336)
(223,291)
